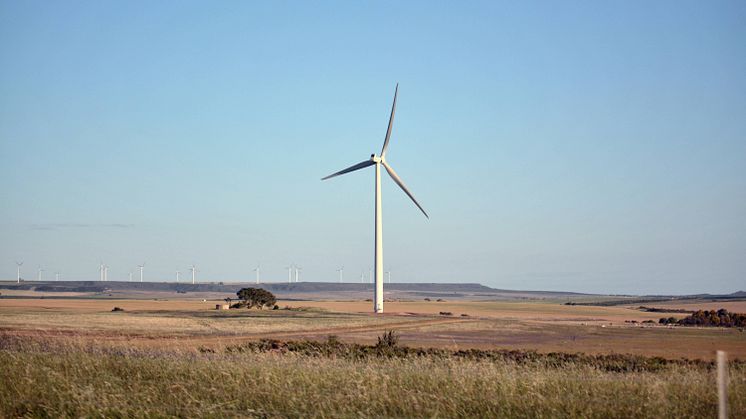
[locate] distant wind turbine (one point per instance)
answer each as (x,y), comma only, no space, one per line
(40,271)
(388,273)
(379,161)
(297,272)
(193,268)
(56,276)
(290,273)
(106,272)
(257,273)
(178,274)
(141,268)
(18,270)
(341,273)
(130,280)
(101,271)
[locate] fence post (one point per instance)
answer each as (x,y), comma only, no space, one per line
(722,385)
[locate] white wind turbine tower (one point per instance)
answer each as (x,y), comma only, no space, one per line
(178,274)
(290,273)
(341,273)
(56,276)
(101,271)
(141,268)
(257,273)
(18,270)
(193,268)
(297,272)
(106,272)
(130,280)
(379,161)
(388,274)
(40,271)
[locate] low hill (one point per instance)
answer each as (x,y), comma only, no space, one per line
(327,291)
(299,290)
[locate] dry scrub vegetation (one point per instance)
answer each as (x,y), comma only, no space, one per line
(56,378)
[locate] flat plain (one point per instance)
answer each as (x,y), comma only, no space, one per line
(541,326)
(70,355)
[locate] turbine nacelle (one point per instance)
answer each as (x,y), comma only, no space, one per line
(381,159)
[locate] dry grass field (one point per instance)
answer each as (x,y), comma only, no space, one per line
(71,379)
(75,357)
(540,326)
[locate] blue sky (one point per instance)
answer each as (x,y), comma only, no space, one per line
(581,146)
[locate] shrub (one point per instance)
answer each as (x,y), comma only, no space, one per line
(721,318)
(446,313)
(117,309)
(256,297)
(388,340)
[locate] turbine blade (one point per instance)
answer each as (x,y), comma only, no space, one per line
(399,182)
(391,123)
(358,166)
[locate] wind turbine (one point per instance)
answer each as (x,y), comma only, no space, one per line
(18,270)
(178,274)
(106,272)
(56,276)
(40,271)
(297,272)
(141,267)
(130,280)
(388,273)
(101,271)
(193,268)
(257,273)
(379,161)
(290,273)
(341,273)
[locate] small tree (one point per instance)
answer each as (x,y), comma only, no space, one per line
(256,297)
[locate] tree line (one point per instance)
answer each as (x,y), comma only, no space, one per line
(720,318)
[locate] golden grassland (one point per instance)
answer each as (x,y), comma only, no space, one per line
(74,378)
(537,326)
(75,357)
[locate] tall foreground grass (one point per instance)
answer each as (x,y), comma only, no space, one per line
(67,379)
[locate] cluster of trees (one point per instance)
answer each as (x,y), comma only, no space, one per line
(255,297)
(721,318)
